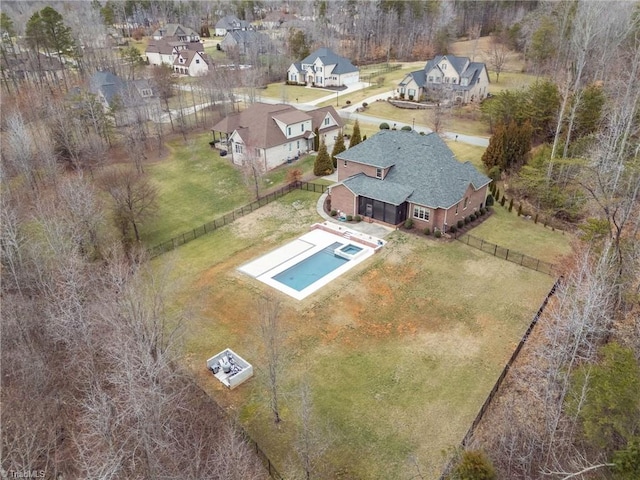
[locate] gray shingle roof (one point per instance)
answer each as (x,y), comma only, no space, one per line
(421,167)
(383,190)
(328,57)
(472,71)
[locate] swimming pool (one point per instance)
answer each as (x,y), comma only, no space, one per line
(310,262)
(312,268)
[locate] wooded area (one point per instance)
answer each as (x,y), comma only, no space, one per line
(92,386)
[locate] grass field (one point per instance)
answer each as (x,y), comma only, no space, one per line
(454,121)
(195,185)
(399,353)
(508,230)
(292,93)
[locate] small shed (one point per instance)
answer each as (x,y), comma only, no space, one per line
(230,368)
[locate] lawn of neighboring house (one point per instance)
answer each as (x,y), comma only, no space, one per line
(398,356)
(195,185)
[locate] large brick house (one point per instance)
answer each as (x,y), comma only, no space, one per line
(396,175)
(272,135)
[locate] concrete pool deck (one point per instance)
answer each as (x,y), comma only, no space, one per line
(268,266)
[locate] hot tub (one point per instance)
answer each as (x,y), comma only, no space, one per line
(348,251)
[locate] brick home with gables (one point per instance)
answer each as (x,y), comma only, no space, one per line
(396,175)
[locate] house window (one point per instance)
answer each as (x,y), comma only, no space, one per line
(288,130)
(431,79)
(289,147)
(446,79)
(257,152)
(326,121)
(302,127)
(466,202)
(421,213)
(457,205)
(298,145)
(345,163)
(197,60)
(438,79)
(401,89)
(238,148)
(378,173)
(412,92)
(443,66)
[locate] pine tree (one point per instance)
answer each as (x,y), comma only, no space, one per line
(355,136)
(338,148)
(322,165)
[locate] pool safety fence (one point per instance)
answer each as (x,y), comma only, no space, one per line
(230,217)
(508,254)
(494,391)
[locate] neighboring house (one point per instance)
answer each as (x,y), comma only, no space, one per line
(175,30)
(455,78)
(323,68)
(192,63)
(130,101)
(230,23)
(245,41)
(175,53)
(31,66)
(397,174)
(275,134)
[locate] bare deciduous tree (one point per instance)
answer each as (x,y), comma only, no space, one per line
(273,339)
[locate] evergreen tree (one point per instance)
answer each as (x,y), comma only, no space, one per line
(338,148)
(494,154)
(322,165)
(355,136)
(316,139)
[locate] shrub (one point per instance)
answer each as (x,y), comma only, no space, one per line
(503,200)
(483,210)
(384,126)
(348,102)
(535,220)
(349,218)
(452,229)
(427,231)
(365,104)
(406,128)
(357,218)
(511,204)
(474,464)
(294,175)
(489,201)
(466,220)
(460,223)
(494,173)
(519,209)
(437,234)
(408,223)
(334,213)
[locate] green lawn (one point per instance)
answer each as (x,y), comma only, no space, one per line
(293,93)
(465,152)
(195,185)
(399,358)
(508,230)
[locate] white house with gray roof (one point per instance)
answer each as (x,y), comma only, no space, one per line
(323,68)
(397,174)
(447,77)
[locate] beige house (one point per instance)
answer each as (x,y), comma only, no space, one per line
(175,30)
(187,58)
(272,135)
(397,174)
(446,77)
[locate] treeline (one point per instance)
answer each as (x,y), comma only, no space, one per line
(91,386)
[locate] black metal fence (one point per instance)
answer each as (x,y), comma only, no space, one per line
(226,219)
(496,386)
(508,254)
(273,473)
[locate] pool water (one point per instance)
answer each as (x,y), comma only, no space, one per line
(311,269)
